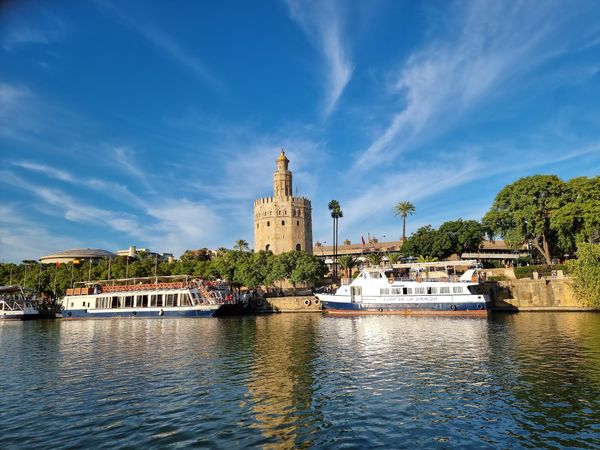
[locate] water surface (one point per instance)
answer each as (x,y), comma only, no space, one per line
(524,380)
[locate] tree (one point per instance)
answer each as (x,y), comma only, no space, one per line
(422,242)
(241,246)
(459,236)
(393,257)
(586,273)
(336,214)
(578,220)
(347,262)
(374,258)
(522,211)
(307,268)
(404,209)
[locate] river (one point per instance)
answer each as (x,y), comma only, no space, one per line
(526,380)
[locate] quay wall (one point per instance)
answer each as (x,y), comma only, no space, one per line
(300,303)
(534,295)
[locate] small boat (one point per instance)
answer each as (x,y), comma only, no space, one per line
(152,297)
(379,291)
(16,304)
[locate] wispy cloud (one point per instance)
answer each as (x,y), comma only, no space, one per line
(447,78)
(322,22)
(19,31)
(162,41)
(111,189)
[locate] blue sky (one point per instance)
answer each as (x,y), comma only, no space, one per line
(156,124)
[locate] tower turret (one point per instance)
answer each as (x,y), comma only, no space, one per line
(282,178)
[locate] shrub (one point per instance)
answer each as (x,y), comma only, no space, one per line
(586,273)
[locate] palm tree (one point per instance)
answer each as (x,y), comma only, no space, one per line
(336,214)
(241,245)
(374,258)
(347,262)
(393,257)
(404,209)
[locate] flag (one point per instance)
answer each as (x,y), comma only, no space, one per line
(362,238)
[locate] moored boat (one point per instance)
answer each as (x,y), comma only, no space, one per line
(17,304)
(154,297)
(379,291)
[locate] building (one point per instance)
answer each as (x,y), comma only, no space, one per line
(77,255)
(282,223)
(488,251)
(134,252)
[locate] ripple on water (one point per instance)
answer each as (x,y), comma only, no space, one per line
(288,381)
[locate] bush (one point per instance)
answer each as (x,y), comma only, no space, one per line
(586,273)
(496,278)
(543,269)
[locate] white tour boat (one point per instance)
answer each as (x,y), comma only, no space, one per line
(378,291)
(15,304)
(155,297)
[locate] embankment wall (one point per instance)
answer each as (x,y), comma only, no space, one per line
(534,295)
(300,303)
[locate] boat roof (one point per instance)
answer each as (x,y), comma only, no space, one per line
(12,288)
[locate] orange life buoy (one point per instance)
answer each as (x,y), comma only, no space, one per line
(390,280)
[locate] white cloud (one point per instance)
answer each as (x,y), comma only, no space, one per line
(496,41)
(321,21)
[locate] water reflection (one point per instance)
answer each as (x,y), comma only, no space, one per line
(287,381)
(282,378)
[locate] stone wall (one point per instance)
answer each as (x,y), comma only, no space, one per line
(300,303)
(534,295)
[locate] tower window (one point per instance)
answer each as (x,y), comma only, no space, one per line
(268,223)
(298,247)
(267,247)
(257,225)
(283,222)
(297,222)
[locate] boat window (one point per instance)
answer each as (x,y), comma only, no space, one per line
(128,301)
(474,289)
(444,289)
(142,301)
(457,289)
(420,290)
(397,291)
(409,291)
(375,275)
(184,300)
(171,300)
(156,300)
(115,302)
(385,291)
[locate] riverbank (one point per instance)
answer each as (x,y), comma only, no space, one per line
(548,294)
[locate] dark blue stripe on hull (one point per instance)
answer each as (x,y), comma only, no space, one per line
(430,307)
(83,314)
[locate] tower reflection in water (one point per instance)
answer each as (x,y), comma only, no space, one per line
(281,384)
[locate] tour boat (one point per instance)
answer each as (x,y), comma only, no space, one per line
(378,291)
(15,304)
(147,297)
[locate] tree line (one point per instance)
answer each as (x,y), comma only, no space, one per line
(238,267)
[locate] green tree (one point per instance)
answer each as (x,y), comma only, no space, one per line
(307,268)
(585,271)
(522,211)
(424,241)
(404,209)
(459,236)
(578,219)
(374,259)
(393,257)
(347,262)
(336,215)
(241,246)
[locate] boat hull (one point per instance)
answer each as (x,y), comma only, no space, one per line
(142,313)
(19,316)
(477,308)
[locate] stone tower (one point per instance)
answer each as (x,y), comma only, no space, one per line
(283,222)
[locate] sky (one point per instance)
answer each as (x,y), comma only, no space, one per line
(157,124)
